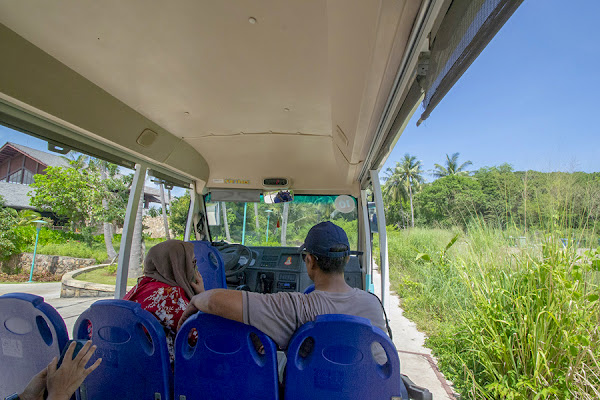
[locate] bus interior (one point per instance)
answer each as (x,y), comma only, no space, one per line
(292,106)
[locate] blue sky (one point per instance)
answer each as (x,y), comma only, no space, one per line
(530,99)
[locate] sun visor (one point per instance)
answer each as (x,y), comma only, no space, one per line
(466,29)
(236,195)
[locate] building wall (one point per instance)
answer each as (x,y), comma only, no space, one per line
(16,164)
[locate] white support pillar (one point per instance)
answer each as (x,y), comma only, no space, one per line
(367,242)
(137,187)
(190,219)
(384,266)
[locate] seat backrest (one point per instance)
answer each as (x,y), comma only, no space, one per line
(224,362)
(132,345)
(309,289)
(32,333)
(336,357)
(210,265)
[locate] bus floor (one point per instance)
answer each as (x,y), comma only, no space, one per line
(416,360)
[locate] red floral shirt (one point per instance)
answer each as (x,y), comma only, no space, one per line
(166,302)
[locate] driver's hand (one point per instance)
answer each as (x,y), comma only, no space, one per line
(197,284)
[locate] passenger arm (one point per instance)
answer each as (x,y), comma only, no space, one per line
(222,302)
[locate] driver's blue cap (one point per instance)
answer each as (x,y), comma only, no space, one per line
(324,236)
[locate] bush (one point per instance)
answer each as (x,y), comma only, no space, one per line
(74,249)
(7,235)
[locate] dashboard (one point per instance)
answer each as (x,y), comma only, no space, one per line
(281,269)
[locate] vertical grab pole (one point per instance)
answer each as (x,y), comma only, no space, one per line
(190,217)
(367,242)
(384,265)
(137,186)
(244,225)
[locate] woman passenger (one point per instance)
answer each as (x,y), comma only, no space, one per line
(170,280)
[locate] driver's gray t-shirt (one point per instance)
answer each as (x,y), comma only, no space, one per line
(278,315)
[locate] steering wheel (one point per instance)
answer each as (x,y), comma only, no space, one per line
(235,256)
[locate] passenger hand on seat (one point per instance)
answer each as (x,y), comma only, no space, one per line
(62,382)
(222,302)
(198,284)
(36,386)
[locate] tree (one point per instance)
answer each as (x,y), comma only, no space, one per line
(284,223)
(137,244)
(225,221)
(8,220)
(73,193)
(404,180)
(107,226)
(452,167)
(179,212)
(451,200)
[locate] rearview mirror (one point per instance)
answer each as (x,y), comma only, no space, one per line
(283,196)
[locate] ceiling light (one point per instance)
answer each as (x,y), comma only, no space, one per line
(252,20)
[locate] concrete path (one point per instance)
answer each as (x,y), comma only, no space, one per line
(48,290)
(416,360)
(69,308)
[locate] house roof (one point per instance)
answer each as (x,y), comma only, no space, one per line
(10,149)
(15,195)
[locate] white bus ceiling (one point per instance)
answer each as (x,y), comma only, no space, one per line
(299,93)
(231,92)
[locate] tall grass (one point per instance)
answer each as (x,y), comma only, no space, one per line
(505,322)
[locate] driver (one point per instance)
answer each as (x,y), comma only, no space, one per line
(326,252)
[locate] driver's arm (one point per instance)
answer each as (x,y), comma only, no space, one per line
(222,302)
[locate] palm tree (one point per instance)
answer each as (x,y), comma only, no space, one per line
(403,180)
(452,167)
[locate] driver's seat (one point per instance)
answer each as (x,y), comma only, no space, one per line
(210,265)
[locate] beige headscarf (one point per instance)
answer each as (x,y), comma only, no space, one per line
(172,262)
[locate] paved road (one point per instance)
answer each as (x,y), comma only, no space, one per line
(48,290)
(69,309)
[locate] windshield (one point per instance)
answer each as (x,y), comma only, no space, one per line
(280,224)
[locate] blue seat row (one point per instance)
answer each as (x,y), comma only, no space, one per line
(225,361)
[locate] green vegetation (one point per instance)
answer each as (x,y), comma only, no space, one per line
(8,219)
(75,249)
(105,276)
(178,213)
(503,275)
(502,197)
(505,322)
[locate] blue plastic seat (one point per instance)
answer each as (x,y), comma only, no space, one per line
(132,345)
(224,363)
(332,358)
(210,265)
(309,289)
(32,333)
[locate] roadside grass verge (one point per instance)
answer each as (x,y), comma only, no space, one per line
(104,275)
(505,322)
